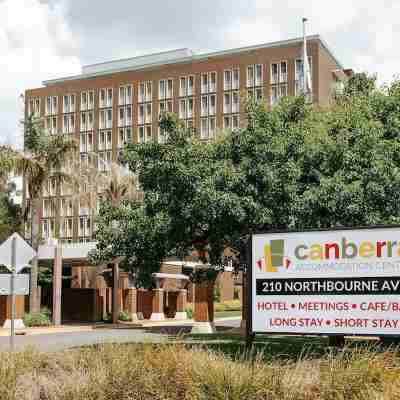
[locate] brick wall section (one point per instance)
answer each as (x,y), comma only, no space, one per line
(5,308)
(322,66)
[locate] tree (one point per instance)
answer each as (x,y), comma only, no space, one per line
(292,167)
(43,156)
(10,213)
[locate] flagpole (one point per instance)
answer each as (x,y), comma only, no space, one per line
(305,56)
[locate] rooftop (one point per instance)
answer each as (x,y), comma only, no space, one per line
(172,57)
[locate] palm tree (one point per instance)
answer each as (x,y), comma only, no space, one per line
(115,184)
(44,156)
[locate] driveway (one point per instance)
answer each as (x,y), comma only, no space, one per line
(64,340)
(61,341)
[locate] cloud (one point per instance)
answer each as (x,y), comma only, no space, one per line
(52,38)
(35,44)
(363,34)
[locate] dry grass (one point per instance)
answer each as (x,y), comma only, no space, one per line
(176,372)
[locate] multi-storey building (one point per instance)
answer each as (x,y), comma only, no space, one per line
(118,102)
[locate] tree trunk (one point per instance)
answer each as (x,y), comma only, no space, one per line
(34,301)
(115,296)
(204,301)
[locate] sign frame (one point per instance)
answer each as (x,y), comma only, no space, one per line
(250,332)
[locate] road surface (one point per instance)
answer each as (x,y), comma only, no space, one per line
(65,340)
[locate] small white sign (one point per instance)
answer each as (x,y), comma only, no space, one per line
(327,282)
(24,253)
(21,284)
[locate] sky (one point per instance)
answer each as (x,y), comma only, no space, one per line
(44,39)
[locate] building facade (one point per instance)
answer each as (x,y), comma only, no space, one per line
(115,103)
(119,102)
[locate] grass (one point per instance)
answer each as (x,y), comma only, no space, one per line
(194,372)
(227,314)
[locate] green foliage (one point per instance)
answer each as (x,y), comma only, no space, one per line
(293,167)
(42,318)
(124,316)
(10,213)
(233,305)
(217,294)
(189,310)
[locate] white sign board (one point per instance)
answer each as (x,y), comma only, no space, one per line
(23,255)
(21,284)
(326,282)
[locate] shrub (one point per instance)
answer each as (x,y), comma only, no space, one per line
(124,316)
(190,310)
(42,318)
(217,294)
(233,305)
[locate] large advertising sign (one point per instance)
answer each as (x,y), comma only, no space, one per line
(326,282)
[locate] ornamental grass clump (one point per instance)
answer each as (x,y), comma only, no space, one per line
(178,372)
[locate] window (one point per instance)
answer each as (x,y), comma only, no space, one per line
(86,142)
(207,128)
(87,121)
(161,90)
(148,133)
(299,76)
(141,137)
(125,95)
(186,102)
(85,227)
(227,103)
(49,208)
(121,96)
(66,207)
(190,86)
(124,137)
(148,114)
(104,160)
(250,76)
(231,122)
(254,76)
(69,123)
(209,82)
(231,94)
(67,228)
(50,125)
(51,107)
(68,103)
(182,87)
(236,79)
(141,114)
(105,140)
(34,107)
(145,110)
(142,93)
(48,228)
(87,100)
(227,80)
(204,106)
(278,81)
(121,116)
(182,109)
(106,98)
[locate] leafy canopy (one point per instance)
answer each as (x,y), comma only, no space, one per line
(294,167)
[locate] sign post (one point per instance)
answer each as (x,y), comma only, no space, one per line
(15,255)
(332,282)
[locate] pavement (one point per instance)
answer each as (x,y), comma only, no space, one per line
(65,337)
